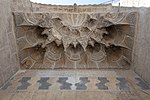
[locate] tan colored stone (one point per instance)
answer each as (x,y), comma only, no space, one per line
(75,40)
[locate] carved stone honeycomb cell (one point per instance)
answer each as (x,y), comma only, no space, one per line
(75,40)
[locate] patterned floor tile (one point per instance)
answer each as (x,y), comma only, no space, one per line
(123,84)
(91,86)
(64,85)
(82,84)
(43,83)
(112,84)
(34,86)
(101,85)
(24,83)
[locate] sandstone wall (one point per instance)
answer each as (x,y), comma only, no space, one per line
(141,54)
(36,7)
(141,48)
(21,5)
(9,62)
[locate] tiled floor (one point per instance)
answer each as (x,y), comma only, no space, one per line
(75,85)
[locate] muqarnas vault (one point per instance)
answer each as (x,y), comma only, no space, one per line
(75,40)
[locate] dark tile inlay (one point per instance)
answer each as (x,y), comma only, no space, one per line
(101,85)
(43,83)
(6,86)
(123,84)
(24,83)
(64,85)
(142,84)
(82,84)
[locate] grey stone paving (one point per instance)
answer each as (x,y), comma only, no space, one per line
(82,84)
(24,83)
(142,84)
(123,84)
(64,85)
(43,83)
(102,84)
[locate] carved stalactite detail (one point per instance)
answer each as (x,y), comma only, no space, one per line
(75,41)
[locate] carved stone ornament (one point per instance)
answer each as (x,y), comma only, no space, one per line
(75,40)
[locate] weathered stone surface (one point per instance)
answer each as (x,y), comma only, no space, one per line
(36,7)
(102,84)
(141,48)
(123,84)
(24,83)
(82,84)
(75,40)
(8,48)
(43,83)
(64,85)
(73,37)
(142,84)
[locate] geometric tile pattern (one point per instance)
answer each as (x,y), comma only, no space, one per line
(43,83)
(24,83)
(64,85)
(101,85)
(123,84)
(82,84)
(96,85)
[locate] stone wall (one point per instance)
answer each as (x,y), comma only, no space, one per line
(141,54)
(9,63)
(21,5)
(141,48)
(36,7)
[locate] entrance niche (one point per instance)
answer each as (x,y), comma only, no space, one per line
(75,40)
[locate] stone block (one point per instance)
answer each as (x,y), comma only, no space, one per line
(12,43)
(5,57)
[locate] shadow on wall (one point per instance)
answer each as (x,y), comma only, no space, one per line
(75,41)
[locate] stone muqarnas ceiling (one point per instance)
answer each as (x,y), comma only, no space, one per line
(73,40)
